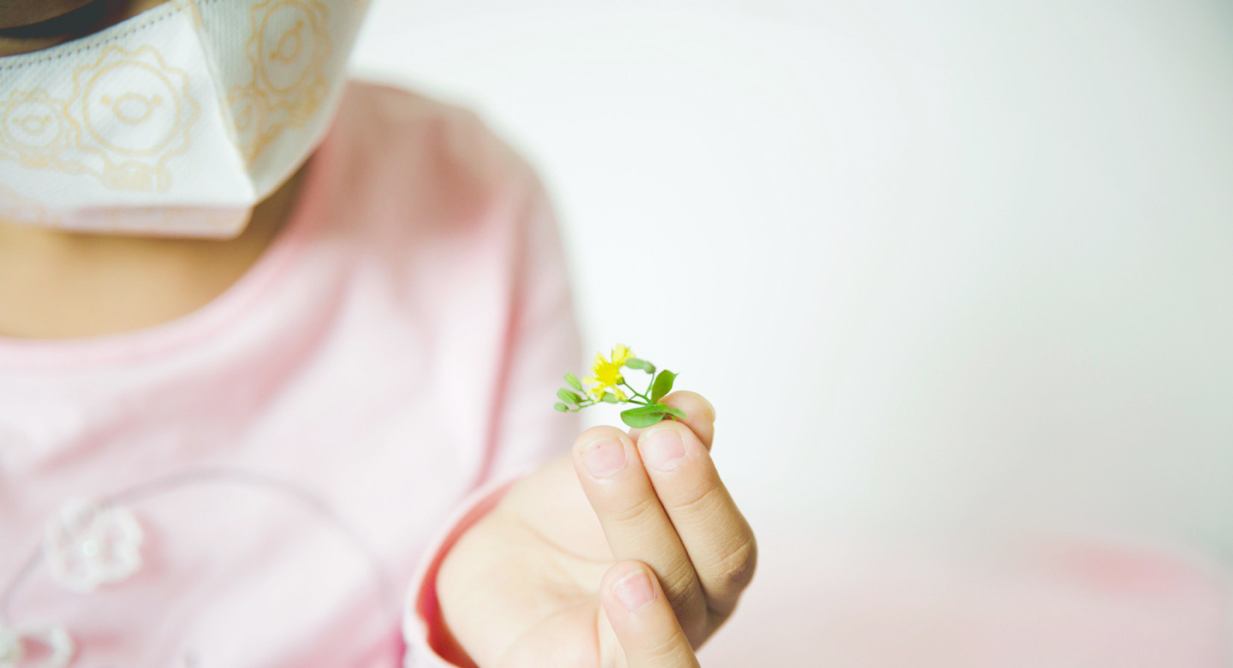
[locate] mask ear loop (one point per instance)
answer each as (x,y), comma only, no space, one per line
(382,581)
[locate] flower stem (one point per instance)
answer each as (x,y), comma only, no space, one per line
(636,392)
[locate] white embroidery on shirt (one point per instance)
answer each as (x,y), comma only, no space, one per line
(87,545)
(35,648)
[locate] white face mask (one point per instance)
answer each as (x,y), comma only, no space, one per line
(175,122)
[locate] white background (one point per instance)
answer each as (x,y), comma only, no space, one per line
(945,268)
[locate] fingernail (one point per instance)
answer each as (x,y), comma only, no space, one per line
(634,591)
(604,459)
(663,449)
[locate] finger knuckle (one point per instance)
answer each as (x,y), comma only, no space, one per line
(700,504)
(670,650)
(639,512)
(736,568)
(678,580)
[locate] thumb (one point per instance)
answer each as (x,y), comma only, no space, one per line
(643,620)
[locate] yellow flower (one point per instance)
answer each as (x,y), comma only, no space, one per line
(616,392)
(621,355)
(607,372)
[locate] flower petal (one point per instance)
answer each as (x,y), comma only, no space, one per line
(620,354)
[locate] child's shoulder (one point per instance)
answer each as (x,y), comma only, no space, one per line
(401,105)
(386,127)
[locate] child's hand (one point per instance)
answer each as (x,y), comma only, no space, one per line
(547,578)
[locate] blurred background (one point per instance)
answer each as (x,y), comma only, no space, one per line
(957,275)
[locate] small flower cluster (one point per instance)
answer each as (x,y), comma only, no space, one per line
(608,386)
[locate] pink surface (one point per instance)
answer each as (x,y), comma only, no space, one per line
(290,450)
(1044,602)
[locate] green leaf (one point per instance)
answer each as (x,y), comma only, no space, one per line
(641,365)
(561,407)
(663,385)
(573,381)
(568,397)
(674,412)
(644,416)
(609,398)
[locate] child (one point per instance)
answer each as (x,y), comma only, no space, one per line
(270,340)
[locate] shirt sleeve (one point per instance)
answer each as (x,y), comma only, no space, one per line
(541,343)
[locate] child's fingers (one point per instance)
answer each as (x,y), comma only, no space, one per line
(643,620)
(634,522)
(699,415)
(717,538)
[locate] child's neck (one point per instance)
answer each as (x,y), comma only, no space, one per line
(58,285)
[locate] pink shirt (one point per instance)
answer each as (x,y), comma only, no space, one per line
(256,484)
